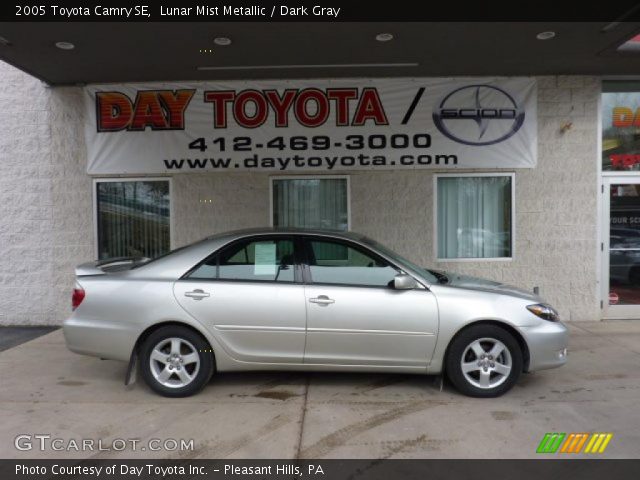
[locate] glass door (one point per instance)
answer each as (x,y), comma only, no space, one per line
(621,247)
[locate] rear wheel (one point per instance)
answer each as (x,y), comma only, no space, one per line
(484,361)
(176,361)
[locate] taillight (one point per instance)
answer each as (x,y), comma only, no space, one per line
(77,297)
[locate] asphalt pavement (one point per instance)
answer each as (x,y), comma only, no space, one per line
(46,389)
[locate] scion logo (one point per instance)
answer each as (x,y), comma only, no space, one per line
(494,112)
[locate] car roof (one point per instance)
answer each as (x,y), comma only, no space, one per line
(246,232)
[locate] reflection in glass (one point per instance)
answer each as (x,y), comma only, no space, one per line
(624,245)
(133,219)
(621,126)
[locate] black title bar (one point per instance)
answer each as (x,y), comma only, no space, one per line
(318,11)
(543,469)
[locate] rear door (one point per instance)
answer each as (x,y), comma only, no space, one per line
(356,317)
(251,296)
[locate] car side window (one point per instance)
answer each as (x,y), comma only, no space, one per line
(338,263)
(262,260)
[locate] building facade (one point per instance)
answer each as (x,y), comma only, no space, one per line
(53,215)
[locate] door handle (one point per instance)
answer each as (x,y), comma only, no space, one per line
(322,300)
(197,294)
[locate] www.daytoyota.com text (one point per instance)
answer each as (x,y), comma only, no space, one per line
(316,153)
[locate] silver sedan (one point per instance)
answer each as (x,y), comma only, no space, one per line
(306,300)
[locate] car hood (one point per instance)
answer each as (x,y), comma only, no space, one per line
(484,285)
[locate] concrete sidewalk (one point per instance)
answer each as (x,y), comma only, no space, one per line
(45,389)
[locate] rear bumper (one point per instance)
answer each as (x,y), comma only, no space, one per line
(547,344)
(99,339)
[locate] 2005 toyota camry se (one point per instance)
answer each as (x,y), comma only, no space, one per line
(306,300)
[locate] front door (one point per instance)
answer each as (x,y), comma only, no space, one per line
(355,317)
(621,247)
(251,297)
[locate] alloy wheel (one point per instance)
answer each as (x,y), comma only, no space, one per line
(486,363)
(174,362)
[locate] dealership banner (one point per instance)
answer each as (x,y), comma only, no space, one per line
(311,125)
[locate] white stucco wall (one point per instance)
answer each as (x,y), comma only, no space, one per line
(46,223)
(45,198)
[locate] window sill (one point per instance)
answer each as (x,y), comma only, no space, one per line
(466,260)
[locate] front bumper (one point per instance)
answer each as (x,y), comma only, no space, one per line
(547,344)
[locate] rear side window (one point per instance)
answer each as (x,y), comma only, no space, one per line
(270,260)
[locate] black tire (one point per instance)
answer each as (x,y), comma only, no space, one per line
(459,347)
(205,367)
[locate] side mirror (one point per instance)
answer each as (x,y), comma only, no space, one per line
(403,281)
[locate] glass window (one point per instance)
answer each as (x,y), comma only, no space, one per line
(263,260)
(133,218)
(474,217)
(624,244)
(319,203)
(621,126)
(348,265)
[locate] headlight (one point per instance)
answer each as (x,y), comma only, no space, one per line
(544,311)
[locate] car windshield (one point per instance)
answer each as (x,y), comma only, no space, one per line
(431,276)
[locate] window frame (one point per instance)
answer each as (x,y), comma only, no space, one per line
(298,274)
(512,176)
(97,180)
(306,270)
(310,177)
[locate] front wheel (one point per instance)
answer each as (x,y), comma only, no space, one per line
(176,361)
(484,361)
